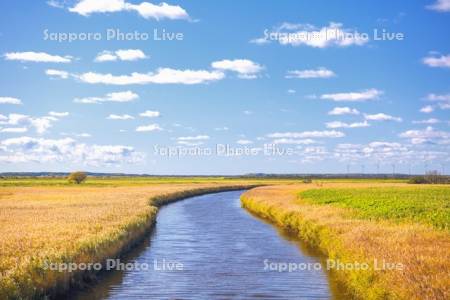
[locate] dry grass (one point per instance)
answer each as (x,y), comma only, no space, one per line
(422,249)
(74,224)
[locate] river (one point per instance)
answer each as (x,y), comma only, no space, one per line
(208,247)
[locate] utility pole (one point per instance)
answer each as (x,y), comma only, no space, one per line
(393,170)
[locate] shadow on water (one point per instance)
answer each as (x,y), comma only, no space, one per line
(193,224)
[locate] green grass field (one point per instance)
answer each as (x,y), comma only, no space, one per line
(427,205)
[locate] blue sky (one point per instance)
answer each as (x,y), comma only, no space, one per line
(306,78)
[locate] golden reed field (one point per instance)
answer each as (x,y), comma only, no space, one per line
(414,235)
(41,224)
(48,220)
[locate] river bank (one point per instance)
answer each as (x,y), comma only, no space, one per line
(76,225)
(374,258)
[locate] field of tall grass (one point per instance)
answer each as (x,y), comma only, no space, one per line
(364,222)
(47,223)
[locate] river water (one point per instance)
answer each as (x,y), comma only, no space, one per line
(208,247)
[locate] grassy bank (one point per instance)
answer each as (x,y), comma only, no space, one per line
(83,224)
(366,223)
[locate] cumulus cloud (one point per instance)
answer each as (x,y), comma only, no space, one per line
(333,35)
(162,76)
(288,141)
(307,74)
(442,101)
(123,54)
(148,128)
(57,73)
(427,109)
(27,149)
(40,124)
(125,96)
(382,117)
(428,135)
(337,111)
(438,98)
(428,121)
(375,151)
(150,114)
(244,142)
(246,68)
(58,114)
(338,124)
(146,10)
(442,61)
(362,96)
(307,134)
(120,117)
(14,129)
(31,56)
(192,140)
(440,6)
(10,100)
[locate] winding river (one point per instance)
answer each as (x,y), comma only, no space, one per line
(208,247)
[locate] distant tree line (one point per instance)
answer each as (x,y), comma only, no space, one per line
(431,177)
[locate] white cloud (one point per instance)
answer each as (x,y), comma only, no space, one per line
(440,6)
(58,114)
(57,73)
(309,35)
(428,135)
(224,128)
(105,56)
(248,112)
(427,109)
(438,98)
(247,69)
(442,61)
(14,129)
(37,57)
(443,101)
(83,135)
(343,111)
(306,74)
(123,54)
(40,124)
(193,138)
(293,141)
(291,91)
(120,117)
(382,117)
(307,134)
(40,150)
(55,3)
(10,100)
(144,9)
(244,142)
(147,128)
(150,114)
(162,76)
(338,124)
(362,96)
(125,96)
(428,121)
